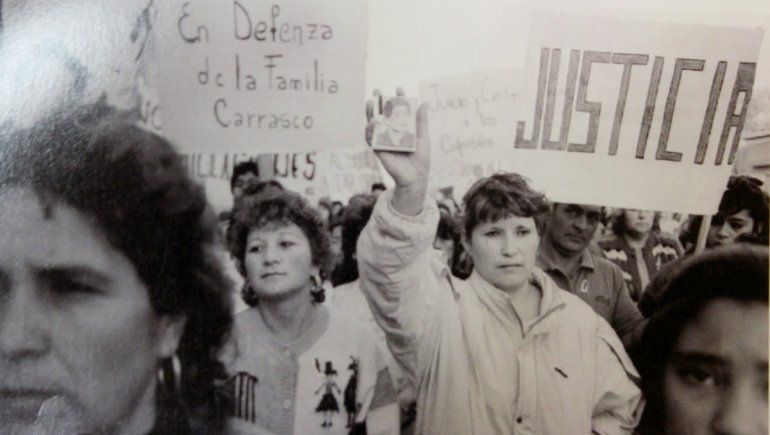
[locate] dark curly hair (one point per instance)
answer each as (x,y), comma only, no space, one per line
(279,206)
(500,196)
(742,192)
(243,168)
(133,184)
(737,272)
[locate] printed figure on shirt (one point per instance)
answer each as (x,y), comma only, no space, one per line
(328,403)
(351,406)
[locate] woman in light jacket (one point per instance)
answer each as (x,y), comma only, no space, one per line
(505,351)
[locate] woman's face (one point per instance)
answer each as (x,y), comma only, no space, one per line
(716,379)
(726,231)
(79,340)
(278,261)
(504,251)
(639,222)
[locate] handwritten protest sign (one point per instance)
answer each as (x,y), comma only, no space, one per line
(469,123)
(299,172)
(350,171)
(257,75)
(655,111)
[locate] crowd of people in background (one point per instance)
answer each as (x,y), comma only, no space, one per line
(619,262)
(397,311)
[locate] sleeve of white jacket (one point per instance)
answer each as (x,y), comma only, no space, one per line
(618,399)
(401,277)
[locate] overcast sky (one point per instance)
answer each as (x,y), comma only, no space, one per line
(414,40)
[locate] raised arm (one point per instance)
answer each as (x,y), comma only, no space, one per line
(401,275)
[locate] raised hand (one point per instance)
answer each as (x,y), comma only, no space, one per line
(410,170)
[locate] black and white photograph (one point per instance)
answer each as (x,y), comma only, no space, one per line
(384,217)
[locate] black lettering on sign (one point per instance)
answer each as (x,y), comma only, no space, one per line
(744,81)
(593,108)
(665,130)
(309,172)
(649,107)
(532,143)
(628,61)
(199,34)
(569,97)
(282,32)
(711,108)
(242,27)
(203,75)
(550,97)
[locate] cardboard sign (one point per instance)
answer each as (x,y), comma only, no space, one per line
(350,172)
(255,75)
(648,118)
(299,172)
(469,120)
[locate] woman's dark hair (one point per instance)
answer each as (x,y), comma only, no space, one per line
(243,168)
(354,218)
(283,207)
(133,184)
(459,264)
(737,272)
(742,193)
(500,196)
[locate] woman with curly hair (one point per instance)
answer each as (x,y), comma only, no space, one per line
(291,357)
(112,305)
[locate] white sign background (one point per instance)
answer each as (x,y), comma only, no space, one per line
(623,180)
(257,76)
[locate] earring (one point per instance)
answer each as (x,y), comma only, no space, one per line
(316,290)
(170,375)
(248,294)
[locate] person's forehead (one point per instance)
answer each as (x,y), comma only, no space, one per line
(728,329)
(585,207)
(744,214)
(511,220)
(247,176)
(275,229)
(59,237)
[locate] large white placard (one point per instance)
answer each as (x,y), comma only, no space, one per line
(631,114)
(300,172)
(257,76)
(470,124)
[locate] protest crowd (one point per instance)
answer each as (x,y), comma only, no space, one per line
(128,305)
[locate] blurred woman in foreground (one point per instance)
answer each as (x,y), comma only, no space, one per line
(112,308)
(705,350)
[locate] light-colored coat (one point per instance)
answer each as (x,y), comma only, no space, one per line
(476,367)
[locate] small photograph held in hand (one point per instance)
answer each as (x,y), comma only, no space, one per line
(396,131)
